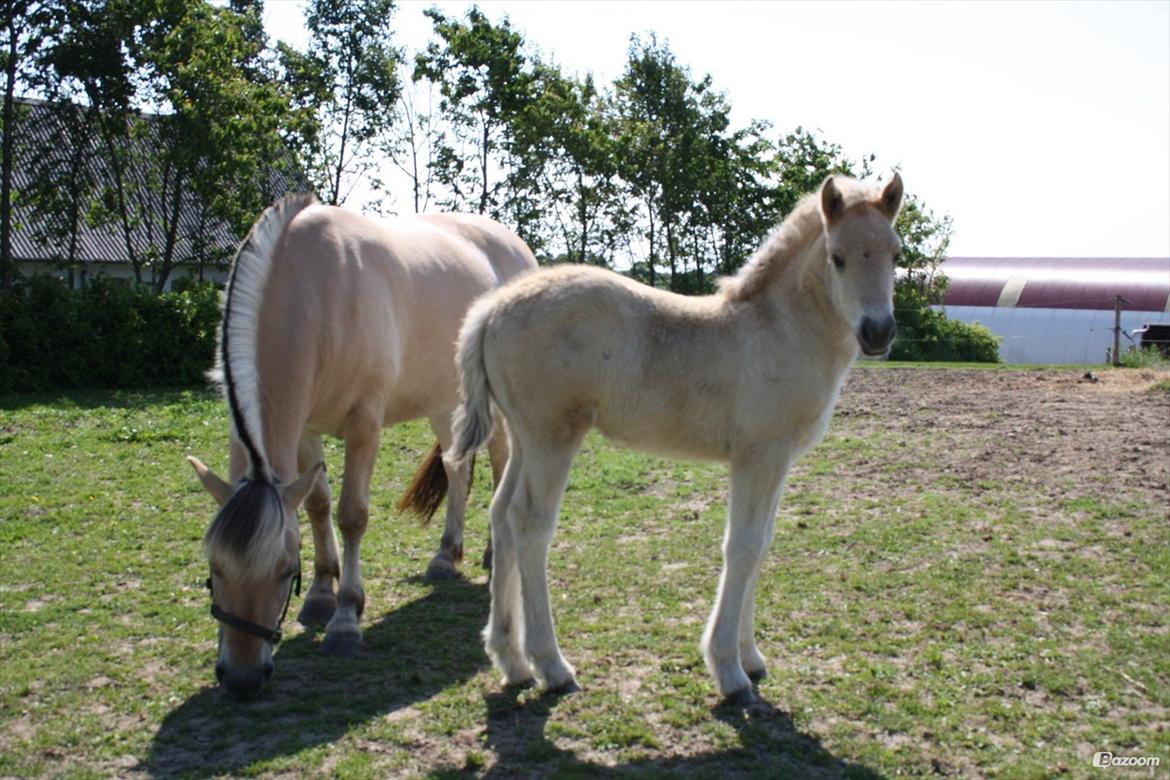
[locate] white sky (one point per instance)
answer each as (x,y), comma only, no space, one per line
(1043,129)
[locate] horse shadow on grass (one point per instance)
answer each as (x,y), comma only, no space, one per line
(413,654)
(770,746)
(408,656)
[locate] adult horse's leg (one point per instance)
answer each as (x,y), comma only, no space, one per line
(320,601)
(755,491)
(443,565)
(504,635)
(532,517)
(363,427)
(498,453)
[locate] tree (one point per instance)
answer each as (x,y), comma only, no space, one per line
(348,83)
(209,149)
(485,83)
(26,27)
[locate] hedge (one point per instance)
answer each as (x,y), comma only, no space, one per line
(105,335)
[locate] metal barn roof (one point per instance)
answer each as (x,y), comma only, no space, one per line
(1059,282)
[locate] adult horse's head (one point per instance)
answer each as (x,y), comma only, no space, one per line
(862,250)
(253,547)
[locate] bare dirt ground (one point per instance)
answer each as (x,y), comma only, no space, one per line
(1040,427)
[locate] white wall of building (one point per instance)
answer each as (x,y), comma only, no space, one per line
(1035,335)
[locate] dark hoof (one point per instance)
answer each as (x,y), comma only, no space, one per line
(316,612)
(441,569)
(740,699)
(520,686)
(757,675)
(341,645)
(566,688)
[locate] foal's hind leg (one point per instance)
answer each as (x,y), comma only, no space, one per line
(755,491)
(443,565)
(504,635)
(532,518)
(498,453)
(320,602)
(363,427)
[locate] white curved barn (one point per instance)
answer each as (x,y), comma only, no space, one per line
(1057,309)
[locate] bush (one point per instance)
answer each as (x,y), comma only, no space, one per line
(926,334)
(104,335)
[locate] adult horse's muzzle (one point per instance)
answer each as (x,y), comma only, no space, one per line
(876,334)
(247,683)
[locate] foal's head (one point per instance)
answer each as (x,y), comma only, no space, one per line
(861,252)
(253,547)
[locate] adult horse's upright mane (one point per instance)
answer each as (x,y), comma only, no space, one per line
(236,363)
(247,527)
(803,225)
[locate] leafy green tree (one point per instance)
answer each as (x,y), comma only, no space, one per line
(26,27)
(346,85)
(485,82)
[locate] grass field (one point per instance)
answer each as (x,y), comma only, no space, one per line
(969,578)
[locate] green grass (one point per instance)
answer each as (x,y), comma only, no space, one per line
(943,627)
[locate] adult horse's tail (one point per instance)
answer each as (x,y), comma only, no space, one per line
(472,424)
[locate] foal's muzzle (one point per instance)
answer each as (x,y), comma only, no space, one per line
(876,334)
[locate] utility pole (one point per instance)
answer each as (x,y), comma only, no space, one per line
(1117,301)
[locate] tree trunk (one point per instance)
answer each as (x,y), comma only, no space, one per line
(6,163)
(483,167)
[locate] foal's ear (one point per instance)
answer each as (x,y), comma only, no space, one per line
(892,197)
(832,201)
(295,493)
(219,490)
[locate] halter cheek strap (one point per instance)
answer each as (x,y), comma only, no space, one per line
(270,635)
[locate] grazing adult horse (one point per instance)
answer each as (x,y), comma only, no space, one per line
(747,376)
(333,324)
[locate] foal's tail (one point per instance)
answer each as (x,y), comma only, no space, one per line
(472,424)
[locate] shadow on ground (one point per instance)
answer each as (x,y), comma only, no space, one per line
(411,655)
(770,746)
(408,656)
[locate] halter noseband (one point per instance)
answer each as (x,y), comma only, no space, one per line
(270,635)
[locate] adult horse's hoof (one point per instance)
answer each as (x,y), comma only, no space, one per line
(757,675)
(567,688)
(441,569)
(316,612)
(740,699)
(341,645)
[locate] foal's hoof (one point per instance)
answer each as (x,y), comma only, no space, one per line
(567,688)
(316,612)
(441,569)
(740,699)
(757,675)
(341,645)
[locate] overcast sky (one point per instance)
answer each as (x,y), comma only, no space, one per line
(1041,128)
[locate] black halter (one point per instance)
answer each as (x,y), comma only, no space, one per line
(270,635)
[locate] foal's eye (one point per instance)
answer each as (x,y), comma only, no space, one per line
(839,262)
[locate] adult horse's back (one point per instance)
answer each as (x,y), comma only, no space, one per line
(338,325)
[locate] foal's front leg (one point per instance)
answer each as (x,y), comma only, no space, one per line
(755,491)
(363,427)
